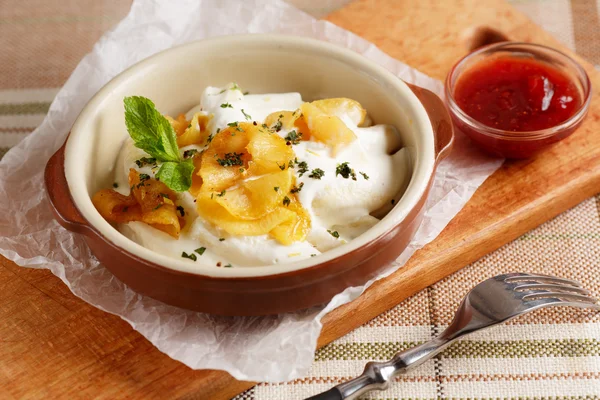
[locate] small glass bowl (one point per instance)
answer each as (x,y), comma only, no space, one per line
(511,144)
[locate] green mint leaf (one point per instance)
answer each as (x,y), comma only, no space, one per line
(150,130)
(177,175)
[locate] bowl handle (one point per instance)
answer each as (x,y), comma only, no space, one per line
(64,208)
(440,121)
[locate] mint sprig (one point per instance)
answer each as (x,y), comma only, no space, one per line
(153,133)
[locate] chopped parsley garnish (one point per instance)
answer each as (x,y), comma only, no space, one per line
(115,185)
(181,210)
(189,153)
(316,173)
(302,167)
(248,117)
(286,201)
(277,126)
(364,175)
(242,170)
(313,255)
(226,105)
(200,250)
(232,124)
(143,178)
(221,239)
(153,133)
(210,138)
(228,266)
(281,167)
(293,137)
(265,126)
(345,171)
(298,188)
(335,234)
(222,193)
(231,159)
(157,207)
(145,161)
(191,256)
(276,188)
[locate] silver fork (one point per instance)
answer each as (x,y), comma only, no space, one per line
(492,302)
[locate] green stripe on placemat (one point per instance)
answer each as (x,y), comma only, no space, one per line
(24,108)
(467,349)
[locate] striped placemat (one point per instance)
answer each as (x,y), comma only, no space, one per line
(550,354)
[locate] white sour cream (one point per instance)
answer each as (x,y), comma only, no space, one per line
(346,206)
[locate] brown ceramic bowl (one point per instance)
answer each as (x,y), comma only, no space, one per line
(174,79)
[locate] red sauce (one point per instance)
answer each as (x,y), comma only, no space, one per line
(517,94)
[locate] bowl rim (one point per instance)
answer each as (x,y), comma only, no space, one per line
(423,162)
(519,136)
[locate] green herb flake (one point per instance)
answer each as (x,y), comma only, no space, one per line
(335,234)
(226,105)
(298,188)
(232,124)
(281,167)
(221,239)
(189,153)
(181,211)
(145,161)
(364,175)
(200,250)
(313,255)
(277,126)
(191,256)
(242,170)
(302,167)
(222,193)
(157,207)
(345,171)
(293,137)
(231,159)
(227,266)
(276,188)
(286,201)
(248,117)
(316,173)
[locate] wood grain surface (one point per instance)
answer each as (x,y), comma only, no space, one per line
(53,345)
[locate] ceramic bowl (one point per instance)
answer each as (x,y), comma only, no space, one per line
(174,79)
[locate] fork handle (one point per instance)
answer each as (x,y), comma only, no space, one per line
(377,375)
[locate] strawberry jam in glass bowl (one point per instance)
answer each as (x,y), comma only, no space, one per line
(515,99)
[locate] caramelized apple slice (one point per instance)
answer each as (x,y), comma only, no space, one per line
(226,159)
(269,152)
(196,178)
(214,213)
(328,129)
(179,125)
(257,197)
(295,229)
(342,106)
(195,132)
(115,207)
(289,120)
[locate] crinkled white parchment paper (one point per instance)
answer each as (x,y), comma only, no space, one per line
(277,348)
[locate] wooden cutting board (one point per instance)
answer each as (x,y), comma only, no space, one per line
(53,345)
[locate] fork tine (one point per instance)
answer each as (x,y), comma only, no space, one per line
(571,297)
(542,279)
(552,287)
